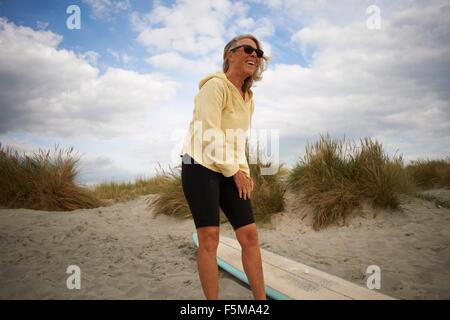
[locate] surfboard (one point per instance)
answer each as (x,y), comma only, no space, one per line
(286,279)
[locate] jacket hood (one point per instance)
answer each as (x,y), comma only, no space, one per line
(221,75)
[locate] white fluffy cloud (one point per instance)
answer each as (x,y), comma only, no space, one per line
(195,32)
(390,84)
(176,62)
(90,56)
(195,27)
(48,90)
(53,96)
(93,169)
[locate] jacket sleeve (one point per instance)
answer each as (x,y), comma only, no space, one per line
(209,105)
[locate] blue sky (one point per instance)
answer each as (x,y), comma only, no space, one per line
(96,34)
(114,31)
(120,90)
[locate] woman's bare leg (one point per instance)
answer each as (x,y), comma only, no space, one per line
(251,259)
(208,240)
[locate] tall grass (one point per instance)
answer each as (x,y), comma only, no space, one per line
(379,178)
(126,191)
(268,192)
(42,181)
(170,200)
(429,174)
(335,176)
(266,198)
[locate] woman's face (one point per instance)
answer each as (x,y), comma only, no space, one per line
(243,62)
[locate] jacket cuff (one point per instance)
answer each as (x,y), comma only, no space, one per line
(231,171)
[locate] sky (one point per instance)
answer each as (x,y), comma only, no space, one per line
(120,88)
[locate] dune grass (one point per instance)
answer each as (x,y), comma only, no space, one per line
(429,174)
(170,200)
(125,191)
(42,181)
(268,192)
(336,175)
(267,195)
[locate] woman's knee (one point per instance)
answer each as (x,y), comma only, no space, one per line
(247,236)
(208,238)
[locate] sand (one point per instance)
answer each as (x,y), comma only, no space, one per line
(124,252)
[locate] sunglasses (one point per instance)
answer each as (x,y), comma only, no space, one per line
(249,50)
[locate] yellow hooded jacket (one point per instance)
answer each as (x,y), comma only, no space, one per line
(221,122)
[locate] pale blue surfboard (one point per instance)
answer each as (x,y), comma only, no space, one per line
(286,279)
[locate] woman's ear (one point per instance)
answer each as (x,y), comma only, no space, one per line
(229,55)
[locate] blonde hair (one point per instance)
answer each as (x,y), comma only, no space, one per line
(262,62)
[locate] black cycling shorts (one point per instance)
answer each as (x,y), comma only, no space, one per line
(205,190)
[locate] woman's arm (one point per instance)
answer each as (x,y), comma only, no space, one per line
(209,105)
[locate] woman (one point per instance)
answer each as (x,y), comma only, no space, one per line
(224,105)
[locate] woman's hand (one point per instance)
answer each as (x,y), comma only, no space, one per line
(244,184)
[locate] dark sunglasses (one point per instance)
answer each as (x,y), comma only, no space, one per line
(249,50)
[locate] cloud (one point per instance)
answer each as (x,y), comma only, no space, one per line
(92,169)
(120,57)
(195,32)
(174,61)
(194,27)
(126,58)
(49,91)
(21,147)
(115,54)
(391,84)
(107,10)
(42,25)
(98,169)
(91,57)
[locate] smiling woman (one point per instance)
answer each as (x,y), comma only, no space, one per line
(224,104)
(249,44)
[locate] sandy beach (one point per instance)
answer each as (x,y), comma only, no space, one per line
(124,252)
